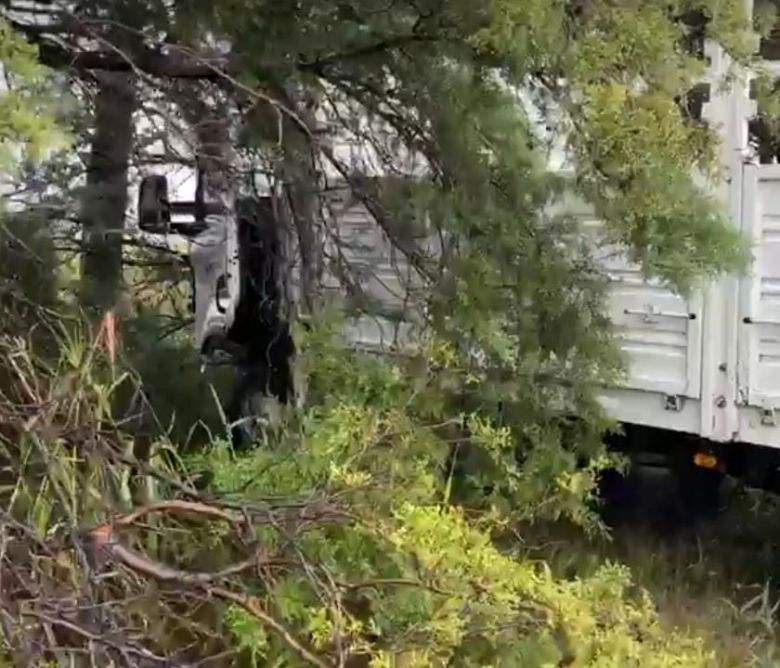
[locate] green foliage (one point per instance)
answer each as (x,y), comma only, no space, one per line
(383,514)
(405,578)
(719,581)
(28,118)
(250,637)
(28,281)
(636,156)
(369,559)
(431,73)
(185,399)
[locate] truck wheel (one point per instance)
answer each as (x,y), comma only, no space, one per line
(617,492)
(154,212)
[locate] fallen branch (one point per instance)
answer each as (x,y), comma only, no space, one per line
(254,608)
(101,638)
(110,545)
(175,507)
(105,541)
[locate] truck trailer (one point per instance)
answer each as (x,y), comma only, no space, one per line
(703,381)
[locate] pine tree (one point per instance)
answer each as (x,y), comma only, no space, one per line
(373,551)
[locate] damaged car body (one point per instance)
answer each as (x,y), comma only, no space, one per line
(234,252)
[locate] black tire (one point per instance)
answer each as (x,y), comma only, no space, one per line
(617,494)
(154,212)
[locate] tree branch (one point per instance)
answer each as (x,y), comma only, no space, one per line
(105,540)
(389,44)
(148,60)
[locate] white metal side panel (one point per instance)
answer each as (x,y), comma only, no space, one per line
(659,331)
(381,273)
(760,340)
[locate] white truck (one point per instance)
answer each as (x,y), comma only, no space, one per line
(706,368)
(704,372)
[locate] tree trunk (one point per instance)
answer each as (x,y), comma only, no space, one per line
(263,376)
(105,198)
(300,185)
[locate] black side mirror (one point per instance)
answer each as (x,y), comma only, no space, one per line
(154,209)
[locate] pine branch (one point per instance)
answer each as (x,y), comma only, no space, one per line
(106,542)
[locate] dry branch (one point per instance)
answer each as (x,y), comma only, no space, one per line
(105,540)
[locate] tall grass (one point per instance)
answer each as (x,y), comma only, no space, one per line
(68,463)
(719,579)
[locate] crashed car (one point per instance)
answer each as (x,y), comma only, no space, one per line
(233,253)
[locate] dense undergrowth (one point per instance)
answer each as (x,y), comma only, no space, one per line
(338,541)
(395,520)
(717,580)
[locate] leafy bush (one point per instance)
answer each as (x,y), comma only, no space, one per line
(334,543)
